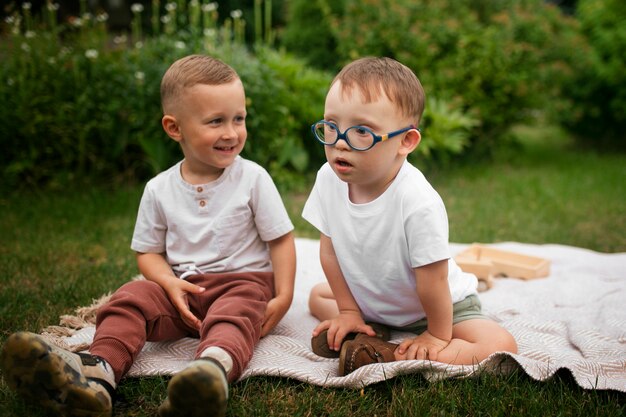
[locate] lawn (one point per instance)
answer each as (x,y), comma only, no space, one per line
(61,248)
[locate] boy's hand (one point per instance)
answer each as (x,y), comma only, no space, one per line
(177,290)
(340,326)
(276,309)
(424,346)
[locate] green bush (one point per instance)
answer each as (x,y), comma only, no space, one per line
(496,61)
(77,102)
(446,132)
(598,90)
(308,32)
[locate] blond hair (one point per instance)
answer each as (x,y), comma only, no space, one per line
(375,76)
(189,71)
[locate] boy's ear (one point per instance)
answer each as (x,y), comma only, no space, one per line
(171,127)
(410,141)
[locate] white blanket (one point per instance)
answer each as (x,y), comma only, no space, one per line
(574,319)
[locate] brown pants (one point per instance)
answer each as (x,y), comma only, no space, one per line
(231,309)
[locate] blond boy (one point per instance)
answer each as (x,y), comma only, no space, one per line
(215,244)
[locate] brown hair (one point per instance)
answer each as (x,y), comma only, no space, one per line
(192,70)
(374,76)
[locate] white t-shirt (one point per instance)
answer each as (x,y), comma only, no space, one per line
(379,243)
(221,226)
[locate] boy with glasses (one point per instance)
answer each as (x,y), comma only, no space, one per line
(384,234)
(215,244)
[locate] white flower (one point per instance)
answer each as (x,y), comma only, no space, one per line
(210,7)
(25,47)
(236,14)
(120,39)
(209,33)
(136,8)
(138,44)
(193,3)
(10,82)
(102,17)
(179,45)
(165,19)
(77,22)
(91,53)
(9,20)
(140,76)
(170,7)
(26,5)
(53,7)
(29,34)
(86,16)
(52,60)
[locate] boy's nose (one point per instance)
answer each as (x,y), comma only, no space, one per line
(342,144)
(230,132)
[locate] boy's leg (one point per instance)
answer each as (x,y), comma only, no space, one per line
(474,340)
(139,311)
(322,302)
(235,307)
(82,384)
(234,317)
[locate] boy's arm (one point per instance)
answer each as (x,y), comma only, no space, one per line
(434,293)
(350,318)
(154,267)
(283,256)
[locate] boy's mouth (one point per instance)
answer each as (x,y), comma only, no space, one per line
(225,148)
(342,166)
(342,162)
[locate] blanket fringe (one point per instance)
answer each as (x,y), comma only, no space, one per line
(70,324)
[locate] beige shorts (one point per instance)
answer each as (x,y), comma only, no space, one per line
(467,309)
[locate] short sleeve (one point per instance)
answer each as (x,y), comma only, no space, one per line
(313,211)
(150,227)
(270,215)
(427,234)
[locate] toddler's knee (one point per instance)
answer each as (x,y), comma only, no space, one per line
(315,295)
(510,345)
(139,288)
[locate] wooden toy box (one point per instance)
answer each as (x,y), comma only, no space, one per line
(486,262)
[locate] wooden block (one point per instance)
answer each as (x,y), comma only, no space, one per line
(481,268)
(478,259)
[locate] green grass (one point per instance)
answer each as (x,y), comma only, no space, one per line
(544,192)
(60,249)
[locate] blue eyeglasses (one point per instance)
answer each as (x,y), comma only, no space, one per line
(359,138)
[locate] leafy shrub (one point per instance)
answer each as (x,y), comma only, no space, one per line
(446,131)
(308,32)
(76,102)
(598,89)
(496,61)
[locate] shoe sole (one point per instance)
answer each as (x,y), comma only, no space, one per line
(342,359)
(33,370)
(195,392)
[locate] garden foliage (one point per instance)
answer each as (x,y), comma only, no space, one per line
(77,101)
(496,62)
(598,89)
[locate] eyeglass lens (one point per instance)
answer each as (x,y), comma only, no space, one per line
(357,137)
